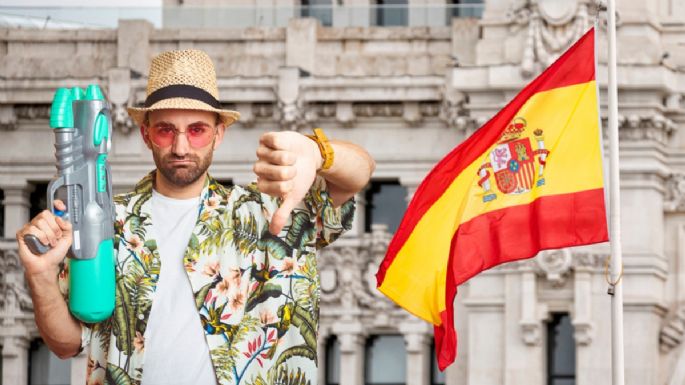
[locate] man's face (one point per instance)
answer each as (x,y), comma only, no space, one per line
(182,143)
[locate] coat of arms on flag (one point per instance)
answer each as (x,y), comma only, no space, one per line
(513,162)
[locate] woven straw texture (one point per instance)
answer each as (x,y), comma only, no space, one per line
(191,67)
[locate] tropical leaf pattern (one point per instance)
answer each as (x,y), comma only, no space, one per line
(257,295)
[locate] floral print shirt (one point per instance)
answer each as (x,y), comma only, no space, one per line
(257,295)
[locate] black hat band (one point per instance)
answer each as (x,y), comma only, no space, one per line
(182,91)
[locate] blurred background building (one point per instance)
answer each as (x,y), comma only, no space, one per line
(408,80)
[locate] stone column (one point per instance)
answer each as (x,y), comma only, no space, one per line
(133,45)
(523,351)
(17,204)
(645,266)
(15,358)
(486,329)
(417,337)
(351,338)
(321,356)
(300,42)
(411,184)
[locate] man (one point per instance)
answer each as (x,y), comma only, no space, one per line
(214,284)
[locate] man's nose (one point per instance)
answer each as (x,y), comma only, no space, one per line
(180,146)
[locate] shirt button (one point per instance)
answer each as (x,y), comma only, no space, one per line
(141,316)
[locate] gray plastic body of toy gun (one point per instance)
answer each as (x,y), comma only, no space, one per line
(82,127)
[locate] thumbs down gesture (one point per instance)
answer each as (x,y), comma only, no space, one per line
(286,167)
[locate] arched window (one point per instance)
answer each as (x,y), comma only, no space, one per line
(386,360)
(561,351)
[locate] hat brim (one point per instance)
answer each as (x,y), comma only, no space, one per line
(227,117)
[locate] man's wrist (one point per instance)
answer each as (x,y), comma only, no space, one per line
(42,279)
(316,154)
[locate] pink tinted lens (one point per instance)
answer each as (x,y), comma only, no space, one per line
(198,136)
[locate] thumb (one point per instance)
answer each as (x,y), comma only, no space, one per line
(280,217)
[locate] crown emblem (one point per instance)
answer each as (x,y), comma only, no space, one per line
(514,130)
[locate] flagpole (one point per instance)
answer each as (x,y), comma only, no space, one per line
(617,359)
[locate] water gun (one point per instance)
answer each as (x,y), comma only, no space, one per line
(82,123)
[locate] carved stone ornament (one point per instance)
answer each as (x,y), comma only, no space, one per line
(33,111)
(14,297)
(583,332)
(8,119)
(247,114)
(263,110)
(675,192)
(531,333)
(344,114)
(673,332)
(121,121)
(552,27)
(348,272)
(555,265)
(369,110)
(291,115)
(655,127)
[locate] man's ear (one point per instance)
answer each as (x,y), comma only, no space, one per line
(220,131)
(146,138)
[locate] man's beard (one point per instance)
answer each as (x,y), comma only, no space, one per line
(185,175)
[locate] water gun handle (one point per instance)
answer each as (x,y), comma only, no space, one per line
(35,245)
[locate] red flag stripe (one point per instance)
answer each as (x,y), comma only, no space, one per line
(508,235)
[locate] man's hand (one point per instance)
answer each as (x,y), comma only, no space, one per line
(286,167)
(60,331)
(50,230)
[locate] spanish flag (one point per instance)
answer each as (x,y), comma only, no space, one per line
(530,179)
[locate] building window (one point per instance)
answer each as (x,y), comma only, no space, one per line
(45,368)
(561,351)
(38,198)
(332,361)
(437,377)
(390,13)
(385,203)
(318,9)
(466,8)
(386,359)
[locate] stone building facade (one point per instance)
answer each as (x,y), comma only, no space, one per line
(409,94)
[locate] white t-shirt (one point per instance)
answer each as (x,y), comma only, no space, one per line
(175,348)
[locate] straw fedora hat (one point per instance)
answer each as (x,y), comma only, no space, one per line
(182,80)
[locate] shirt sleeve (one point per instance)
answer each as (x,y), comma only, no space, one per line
(331,221)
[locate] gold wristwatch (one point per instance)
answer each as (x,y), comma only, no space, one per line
(325,147)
